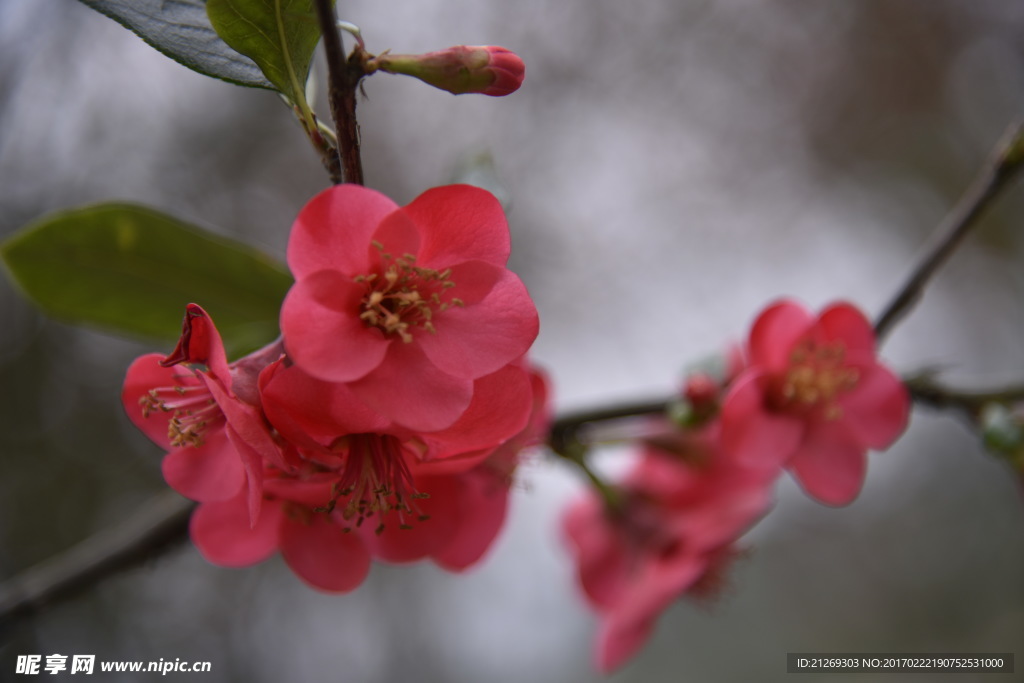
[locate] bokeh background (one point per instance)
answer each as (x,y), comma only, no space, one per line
(671,166)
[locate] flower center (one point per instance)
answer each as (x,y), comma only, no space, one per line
(817,376)
(192,407)
(404,296)
(376,480)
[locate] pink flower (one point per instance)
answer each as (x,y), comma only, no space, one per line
(405,306)
(485,69)
(814,399)
(673,528)
(205,413)
(367,488)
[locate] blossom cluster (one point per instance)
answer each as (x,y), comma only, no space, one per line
(807,395)
(387,421)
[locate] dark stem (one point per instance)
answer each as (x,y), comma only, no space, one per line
(997,172)
(343,76)
(928,392)
(150,531)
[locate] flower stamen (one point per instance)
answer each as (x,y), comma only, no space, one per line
(405,296)
(193,411)
(818,374)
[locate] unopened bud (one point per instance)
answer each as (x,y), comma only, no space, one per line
(482,69)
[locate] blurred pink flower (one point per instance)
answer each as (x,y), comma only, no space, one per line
(405,306)
(675,522)
(814,399)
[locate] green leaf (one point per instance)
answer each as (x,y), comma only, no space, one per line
(279,35)
(181,30)
(132,270)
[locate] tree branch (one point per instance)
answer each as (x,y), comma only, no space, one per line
(163,522)
(159,525)
(998,171)
(343,76)
(926,391)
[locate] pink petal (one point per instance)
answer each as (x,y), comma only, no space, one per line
(474,280)
(223,534)
(253,465)
(323,555)
(844,322)
(302,407)
(200,343)
(247,423)
(661,580)
(397,235)
(878,408)
(333,230)
(409,389)
(314,492)
(477,340)
(211,472)
(322,330)
(602,558)
(500,408)
(482,504)
(618,641)
(775,332)
(424,537)
(750,432)
(830,464)
(460,223)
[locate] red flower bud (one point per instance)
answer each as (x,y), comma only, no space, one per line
(482,69)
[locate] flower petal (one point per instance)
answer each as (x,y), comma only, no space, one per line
(830,464)
(878,408)
(207,473)
(252,462)
(618,641)
(224,536)
(200,342)
(844,322)
(460,223)
(396,236)
(750,432)
(322,330)
(601,556)
(323,555)
(500,408)
(482,504)
(477,340)
(302,407)
(333,230)
(409,389)
(775,332)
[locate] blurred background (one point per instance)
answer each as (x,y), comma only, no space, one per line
(672,166)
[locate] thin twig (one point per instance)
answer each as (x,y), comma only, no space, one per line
(926,391)
(159,525)
(996,174)
(343,76)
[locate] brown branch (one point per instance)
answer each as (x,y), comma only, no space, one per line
(926,391)
(163,522)
(343,76)
(160,524)
(998,171)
